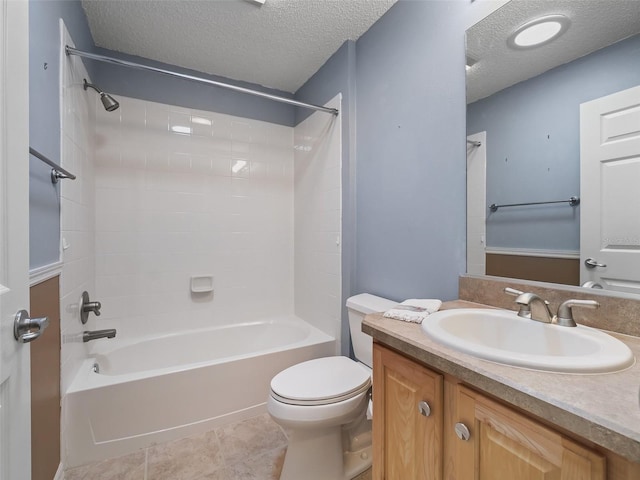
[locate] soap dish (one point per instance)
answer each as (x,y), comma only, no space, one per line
(202,283)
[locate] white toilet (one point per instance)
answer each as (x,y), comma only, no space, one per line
(323,405)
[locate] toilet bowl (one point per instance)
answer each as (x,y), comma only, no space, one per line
(323,404)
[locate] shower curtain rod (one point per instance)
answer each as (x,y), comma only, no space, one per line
(124,63)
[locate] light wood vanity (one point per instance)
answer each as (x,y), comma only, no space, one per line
(441,414)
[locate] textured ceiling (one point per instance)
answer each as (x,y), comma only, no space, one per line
(594,25)
(280,44)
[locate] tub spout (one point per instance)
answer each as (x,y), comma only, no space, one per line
(87,336)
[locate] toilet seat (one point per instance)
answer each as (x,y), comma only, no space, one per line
(322,381)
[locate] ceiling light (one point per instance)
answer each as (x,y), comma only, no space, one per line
(538,32)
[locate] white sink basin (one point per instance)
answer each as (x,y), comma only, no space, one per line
(503,337)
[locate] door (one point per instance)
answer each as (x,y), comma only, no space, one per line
(610,203)
(15,409)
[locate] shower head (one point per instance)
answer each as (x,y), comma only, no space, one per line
(110,104)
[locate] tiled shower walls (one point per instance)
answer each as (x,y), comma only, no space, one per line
(317,220)
(180,193)
(77,216)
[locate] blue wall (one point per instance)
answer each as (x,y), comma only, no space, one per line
(44,118)
(410,119)
(533,145)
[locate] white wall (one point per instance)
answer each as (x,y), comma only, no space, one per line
(318,215)
(183,192)
(77,211)
(76,216)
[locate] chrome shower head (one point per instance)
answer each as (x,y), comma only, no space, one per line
(110,104)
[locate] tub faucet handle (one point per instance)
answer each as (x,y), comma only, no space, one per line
(87,306)
(93,307)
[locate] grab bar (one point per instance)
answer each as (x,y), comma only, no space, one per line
(573,201)
(57,172)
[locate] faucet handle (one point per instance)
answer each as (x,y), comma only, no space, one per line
(512,291)
(86,306)
(565,314)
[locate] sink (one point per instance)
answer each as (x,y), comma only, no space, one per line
(504,337)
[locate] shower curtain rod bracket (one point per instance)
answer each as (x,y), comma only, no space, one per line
(125,63)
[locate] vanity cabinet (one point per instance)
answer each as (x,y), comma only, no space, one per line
(490,441)
(407,419)
(463,434)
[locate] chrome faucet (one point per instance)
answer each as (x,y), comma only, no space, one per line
(564,318)
(87,336)
(526,300)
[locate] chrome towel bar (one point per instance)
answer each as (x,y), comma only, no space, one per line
(573,201)
(57,172)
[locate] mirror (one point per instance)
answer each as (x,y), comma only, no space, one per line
(523,127)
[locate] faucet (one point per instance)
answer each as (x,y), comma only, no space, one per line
(564,318)
(87,336)
(526,300)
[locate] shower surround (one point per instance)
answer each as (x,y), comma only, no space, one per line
(166,193)
(182,192)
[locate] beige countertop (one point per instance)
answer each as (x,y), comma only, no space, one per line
(602,408)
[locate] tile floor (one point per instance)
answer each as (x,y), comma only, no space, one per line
(252,449)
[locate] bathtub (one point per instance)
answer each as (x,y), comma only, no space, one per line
(161,388)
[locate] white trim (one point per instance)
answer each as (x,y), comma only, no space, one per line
(41,274)
(59,473)
(531,252)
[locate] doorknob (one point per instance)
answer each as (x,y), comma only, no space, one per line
(27,329)
(592,263)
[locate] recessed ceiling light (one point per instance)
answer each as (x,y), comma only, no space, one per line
(538,32)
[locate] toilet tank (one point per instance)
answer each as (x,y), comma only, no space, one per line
(359,306)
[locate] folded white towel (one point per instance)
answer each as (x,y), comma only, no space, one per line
(413,310)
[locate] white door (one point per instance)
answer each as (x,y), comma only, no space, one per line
(15,401)
(610,191)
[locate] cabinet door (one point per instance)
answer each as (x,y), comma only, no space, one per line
(506,445)
(407,440)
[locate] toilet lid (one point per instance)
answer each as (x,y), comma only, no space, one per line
(320,381)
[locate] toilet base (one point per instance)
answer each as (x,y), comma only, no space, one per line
(356,462)
(320,455)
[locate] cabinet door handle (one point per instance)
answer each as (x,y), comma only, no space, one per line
(424,408)
(462,431)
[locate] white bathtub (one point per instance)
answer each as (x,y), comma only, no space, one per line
(161,388)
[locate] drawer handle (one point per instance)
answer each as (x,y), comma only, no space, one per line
(462,431)
(424,408)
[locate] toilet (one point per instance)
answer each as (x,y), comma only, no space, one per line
(323,403)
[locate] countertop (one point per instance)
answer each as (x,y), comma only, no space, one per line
(602,408)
